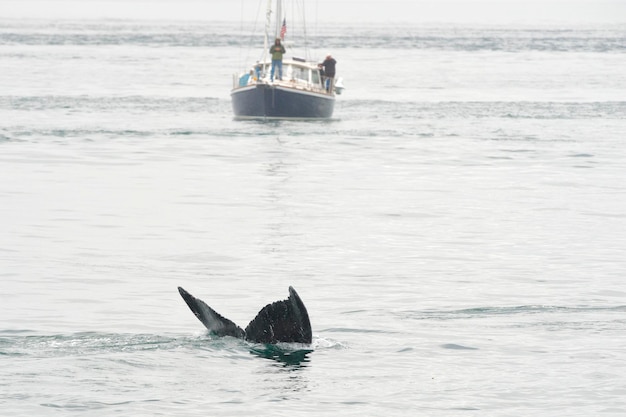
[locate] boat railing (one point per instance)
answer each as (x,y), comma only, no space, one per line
(296,74)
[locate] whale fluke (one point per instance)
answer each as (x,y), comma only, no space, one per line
(281,321)
(213,321)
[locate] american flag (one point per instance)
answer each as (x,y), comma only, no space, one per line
(283,29)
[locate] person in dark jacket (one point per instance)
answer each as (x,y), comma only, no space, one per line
(329,72)
(277,50)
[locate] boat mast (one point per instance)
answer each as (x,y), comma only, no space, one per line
(279,17)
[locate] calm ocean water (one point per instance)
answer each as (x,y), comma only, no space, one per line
(457,231)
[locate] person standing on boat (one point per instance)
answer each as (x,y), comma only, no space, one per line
(277,50)
(329,72)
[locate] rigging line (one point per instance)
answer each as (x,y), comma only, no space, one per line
(252,37)
(307,55)
(240,30)
(316,30)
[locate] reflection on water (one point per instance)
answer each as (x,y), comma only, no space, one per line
(283,354)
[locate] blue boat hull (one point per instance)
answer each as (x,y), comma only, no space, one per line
(281,102)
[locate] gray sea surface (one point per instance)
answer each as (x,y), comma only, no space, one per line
(457,231)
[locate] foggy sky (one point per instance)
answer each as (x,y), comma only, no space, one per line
(419,11)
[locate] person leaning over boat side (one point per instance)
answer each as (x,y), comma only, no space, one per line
(329,72)
(246,79)
(277,50)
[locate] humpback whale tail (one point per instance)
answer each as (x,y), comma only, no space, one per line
(213,321)
(281,321)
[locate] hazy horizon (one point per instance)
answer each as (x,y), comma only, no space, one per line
(410,11)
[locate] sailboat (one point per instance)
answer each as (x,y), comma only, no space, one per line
(300,93)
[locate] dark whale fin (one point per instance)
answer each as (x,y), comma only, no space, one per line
(211,319)
(282,321)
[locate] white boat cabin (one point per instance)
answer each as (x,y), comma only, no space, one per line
(297,73)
